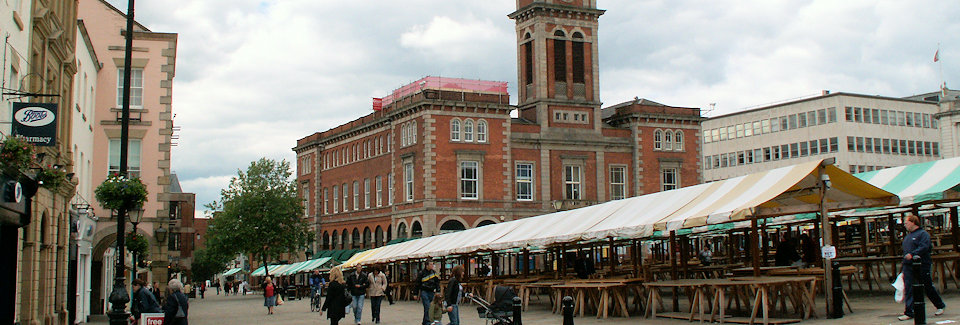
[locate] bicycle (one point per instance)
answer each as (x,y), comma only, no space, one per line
(315,301)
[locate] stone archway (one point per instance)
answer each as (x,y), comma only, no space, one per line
(451,225)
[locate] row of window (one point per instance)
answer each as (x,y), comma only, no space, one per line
(889,117)
(465,131)
(408,134)
(378,182)
(776,124)
(368,148)
(774,153)
(668,140)
(893,146)
(572,182)
(863,169)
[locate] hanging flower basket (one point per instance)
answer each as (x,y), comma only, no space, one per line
(118,192)
(15,155)
(138,244)
(52,178)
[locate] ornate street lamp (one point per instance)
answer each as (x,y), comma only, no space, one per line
(136,215)
(160,234)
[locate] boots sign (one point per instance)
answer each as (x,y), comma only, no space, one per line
(36,122)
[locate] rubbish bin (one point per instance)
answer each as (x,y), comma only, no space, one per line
(292,293)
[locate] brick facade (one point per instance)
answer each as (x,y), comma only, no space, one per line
(563,152)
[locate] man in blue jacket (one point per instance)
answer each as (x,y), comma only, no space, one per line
(916,245)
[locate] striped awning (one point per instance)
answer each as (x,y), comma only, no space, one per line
(305,266)
(924,182)
(273,270)
(231,271)
(783,191)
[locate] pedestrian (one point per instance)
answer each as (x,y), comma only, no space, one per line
(236,287)
(143,301)
(454,294)
(269,295)
(203,288)
(216,284)
(436,310)
(916,245)
(705,256)
(358,283)
(428,285)
(176,310)
(155,290)
(187,289)
(376,291)
(245,287)
(337,300)
(389,291)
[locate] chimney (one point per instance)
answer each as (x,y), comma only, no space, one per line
(824,92)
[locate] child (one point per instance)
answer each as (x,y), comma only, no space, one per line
(436,309)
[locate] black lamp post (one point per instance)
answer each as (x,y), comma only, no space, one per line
(136,215)
(119,297)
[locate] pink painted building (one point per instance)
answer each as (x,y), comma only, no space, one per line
(151,127)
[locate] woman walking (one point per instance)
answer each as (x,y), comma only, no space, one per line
(376,291)
(176,310)
(453,295)
(269,295)
(336,302)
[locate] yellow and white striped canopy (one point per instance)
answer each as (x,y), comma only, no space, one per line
(788,190)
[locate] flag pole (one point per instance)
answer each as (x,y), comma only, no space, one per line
(943,84)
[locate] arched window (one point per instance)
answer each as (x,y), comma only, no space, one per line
(451,226)
(416,231)
(325,244)
(678,140)
(413,132)
(577,35)
(403,135)
(559,33)
(485,223)
(344,239)
(356,241)
(455,130)
(402,230)
(657,140)
(668,140)
(335,240)
(482,131)
(468,131)
(378,237)
(367,238)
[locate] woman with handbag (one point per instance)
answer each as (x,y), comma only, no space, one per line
(175,310)
(337,299)
(270,293)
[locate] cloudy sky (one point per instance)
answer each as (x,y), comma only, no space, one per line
(254,76)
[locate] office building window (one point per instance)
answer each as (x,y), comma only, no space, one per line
(571,182)
(618,184)
(524,182)
(832,114)
(848,114)
(469,180)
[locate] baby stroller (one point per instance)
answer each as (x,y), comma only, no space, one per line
(500,312)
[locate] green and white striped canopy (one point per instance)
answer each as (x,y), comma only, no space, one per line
(231,271)
(930,181)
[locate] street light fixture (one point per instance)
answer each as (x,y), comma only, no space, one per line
(135,215)
(160,234)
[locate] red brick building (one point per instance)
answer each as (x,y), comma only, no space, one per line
(444,154)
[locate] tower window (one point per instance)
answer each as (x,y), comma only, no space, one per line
(578,60)
(528,63)
(559,60)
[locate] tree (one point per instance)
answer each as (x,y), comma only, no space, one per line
(207,263)
(259,213)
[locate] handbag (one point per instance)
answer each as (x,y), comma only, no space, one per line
(279,300)
(180,312)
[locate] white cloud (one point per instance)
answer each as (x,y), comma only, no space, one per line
(253,76)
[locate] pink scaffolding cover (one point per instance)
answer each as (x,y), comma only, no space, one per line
(442,83)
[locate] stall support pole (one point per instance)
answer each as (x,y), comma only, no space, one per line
(954,229)
(892,234)
(765,240)
(636,255)
(526,262)
(863,236)
(827,241)
(684,253)
(673,269)
(612,257)
(562,266)
(754,247)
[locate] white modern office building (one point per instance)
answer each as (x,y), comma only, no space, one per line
(862,132)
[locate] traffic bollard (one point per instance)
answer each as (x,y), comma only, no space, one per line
(516,311)
(567,310)
(919,307)
(837,292)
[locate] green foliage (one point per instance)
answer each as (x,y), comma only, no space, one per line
(137,244)
(259,213)
(15,155)
(207,263)
(52,178)
(119,192)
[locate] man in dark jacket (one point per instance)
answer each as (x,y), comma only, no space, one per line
(916,245)
(428,284)
(357,284)
(156,292)
(143,301)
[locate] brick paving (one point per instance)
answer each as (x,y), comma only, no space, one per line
(869,308)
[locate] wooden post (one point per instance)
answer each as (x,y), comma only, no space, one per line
(754,247)
(526,261)
(612,257)
(863,236)
(684,253)
(562,266)
(827,228)
(765,239)
(892,234)
(731,248)
(954,229)
(636,255)
(673,269)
